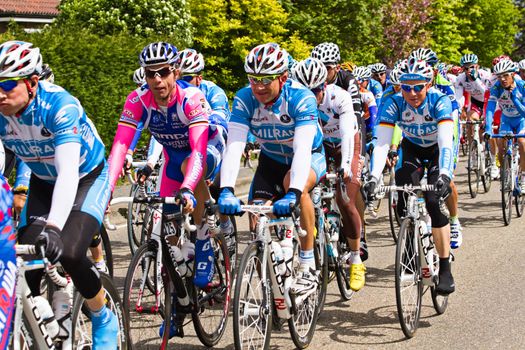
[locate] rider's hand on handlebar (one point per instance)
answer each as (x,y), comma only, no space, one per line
(369,188)
(128,161)
(190,200)
(228,203)
(143,173)
(442,186)
(486,136)
(52,242)
(282,206)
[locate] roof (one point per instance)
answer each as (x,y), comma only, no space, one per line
(29,7)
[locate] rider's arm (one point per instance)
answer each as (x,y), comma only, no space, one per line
(302,156)
(136,138)
(459,93)
(198,137)
(237,134)
(129,120)
(384,131)
(23,175)
(491,107)
(517,96)
(348,128)
(154,152)
(445,136)
(353,89)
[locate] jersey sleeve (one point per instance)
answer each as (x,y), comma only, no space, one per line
(242,108)
(305,109)
(389,112)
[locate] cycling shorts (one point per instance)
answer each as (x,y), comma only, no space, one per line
(512,125)
(268,179)
(476,106)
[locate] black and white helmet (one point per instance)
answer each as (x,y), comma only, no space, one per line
(362,73)
(158,53)
(138,76)
(424,54)
(46,74)
(505,66)
(377,68)
(395,75)
(311,73)
(416,70)
(190,61)
(266,59)
(326,53)
(521,64)
(19,59)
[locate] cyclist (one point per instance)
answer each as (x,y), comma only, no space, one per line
(329,54)
(521,65)
(341,142)
(283,116)
(178,117)
(425,116)
(348,66)
(379,75)
(509,93)
(138,77)
(7,263)
(363,76)
(48,129)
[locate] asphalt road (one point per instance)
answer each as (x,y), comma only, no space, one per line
(487,311)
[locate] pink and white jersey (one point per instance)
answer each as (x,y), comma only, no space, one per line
(475,88)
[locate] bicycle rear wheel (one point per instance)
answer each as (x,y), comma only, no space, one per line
(81,317)
(252,306)
(393,217)
(144,309)
(321,262)
(409,285)
(473,165)
(506,189)
(136,222)
(486,179)
(212,304)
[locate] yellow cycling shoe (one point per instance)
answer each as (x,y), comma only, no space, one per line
(357,276)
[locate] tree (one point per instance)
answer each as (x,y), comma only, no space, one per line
(137,17)
(519,44)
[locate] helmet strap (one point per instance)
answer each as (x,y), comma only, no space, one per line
(30,94)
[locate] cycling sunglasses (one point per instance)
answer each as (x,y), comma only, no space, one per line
(9,84)
(189,77)
(162,72)
(416,87)
(262,79)
(318,89)
(504,75)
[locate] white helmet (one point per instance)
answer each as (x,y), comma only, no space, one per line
(311,72)
(522,64)
(377,68)
(395,75)
(326,53)
(362,73)
(469,58)
(190,61)
(505,66)
(19,59)
(138,76)
(266,59)
(424,54)
(46,74)
(416,70)
(158,53)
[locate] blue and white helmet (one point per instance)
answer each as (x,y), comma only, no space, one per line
(424,54)
(469,58)
(158,53)
(362,73)
(19,59)
(377,68)
(311,73)
(327,53)
(266,59)
(416,70)
(505,66)
(190,61)
(395,76)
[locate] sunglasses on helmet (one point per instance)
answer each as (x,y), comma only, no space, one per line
(9,84)
(161,72)
(262,79)
(416,87)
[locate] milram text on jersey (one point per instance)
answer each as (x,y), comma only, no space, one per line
(54,117)
(274,125)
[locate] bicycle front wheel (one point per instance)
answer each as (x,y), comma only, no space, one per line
(409,285)
(212,303)
(506,189)
(342,272)
(486,179)
(81,317)
(473,169)
(252,306)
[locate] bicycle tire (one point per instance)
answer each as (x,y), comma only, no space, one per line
(258,311)
(407,260)
(393,216)
(473,164)
(342,272)
(144,320)
(506,189)
(106,248)
(216,297)
(304,317)
(486,179)
(321,262)
(80,318)
(136,219)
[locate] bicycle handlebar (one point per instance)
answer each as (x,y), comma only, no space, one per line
(268,209)
(507,136)
(51,270)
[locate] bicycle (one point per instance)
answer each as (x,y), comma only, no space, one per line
(159,287)
(262,288)
(479,161)
(29,328)
(417,262)
(510,177)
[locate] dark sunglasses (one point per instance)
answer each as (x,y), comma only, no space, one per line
(188,77)
(9,84)
(262,79)
(162,72)
(317,89)
(416,87)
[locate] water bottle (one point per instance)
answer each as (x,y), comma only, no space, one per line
(316,195)
(286,244)
(178,258)
(62,305)
(47,315)
(279,257)
(334,220)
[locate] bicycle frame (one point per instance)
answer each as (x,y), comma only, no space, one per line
(280,286)
(24,300)
(512,151)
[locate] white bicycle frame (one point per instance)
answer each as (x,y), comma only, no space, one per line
(24,300)
(280,285)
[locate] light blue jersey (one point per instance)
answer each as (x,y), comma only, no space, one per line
(54,117)
(375,87)
(274,126)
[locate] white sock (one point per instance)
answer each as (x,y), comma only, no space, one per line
(355,257)
(202,232)
(306,257)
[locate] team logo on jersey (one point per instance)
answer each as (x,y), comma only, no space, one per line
(44,132)
(285,118)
